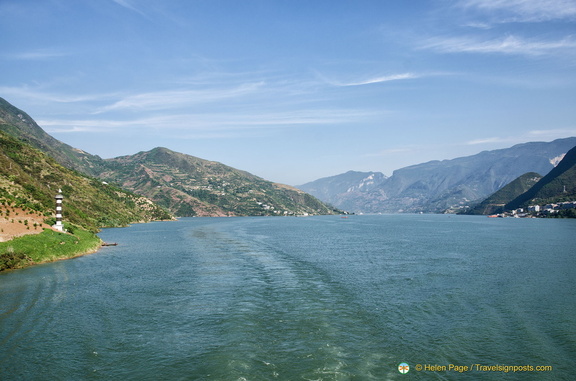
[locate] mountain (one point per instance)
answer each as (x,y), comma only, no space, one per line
(344,190)
(186,185)
(558,185)
(437,186)
(20,125)
(29,179)
(496,202)
(190,186)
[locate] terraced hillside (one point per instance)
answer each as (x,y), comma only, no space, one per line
(190,186)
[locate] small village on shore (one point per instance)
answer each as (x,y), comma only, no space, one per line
(566,209)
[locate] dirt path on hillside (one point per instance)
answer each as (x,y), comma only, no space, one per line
(16,222)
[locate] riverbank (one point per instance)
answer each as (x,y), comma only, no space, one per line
(47,246)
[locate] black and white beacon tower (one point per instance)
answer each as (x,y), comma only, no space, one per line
(59,198)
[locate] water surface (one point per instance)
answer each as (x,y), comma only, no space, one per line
(317,298)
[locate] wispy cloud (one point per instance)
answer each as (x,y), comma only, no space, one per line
(525,10)
(39,94)
(486,141)
(37,55)
(163,100)
(128,5)
(478,25)
(208,122)
(370,80)
(552,133)
(540,135)
(508,45)
(152,10)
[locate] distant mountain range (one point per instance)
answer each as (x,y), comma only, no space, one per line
(350,190)
(439,186)
(182,184)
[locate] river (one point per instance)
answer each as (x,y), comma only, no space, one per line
(315,298)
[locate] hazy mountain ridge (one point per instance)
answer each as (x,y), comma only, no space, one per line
(437,186)
(345,190)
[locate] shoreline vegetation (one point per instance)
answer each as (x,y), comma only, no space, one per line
(27,237)
(35,248)
(47,246)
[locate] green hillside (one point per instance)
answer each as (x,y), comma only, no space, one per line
(21,126)
(47,246)
(30,179)
(557,186)
(189,186)
(183,184)
(495,203)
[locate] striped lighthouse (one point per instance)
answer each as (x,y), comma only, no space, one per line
(59,198)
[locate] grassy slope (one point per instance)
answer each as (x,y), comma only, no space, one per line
(47,246)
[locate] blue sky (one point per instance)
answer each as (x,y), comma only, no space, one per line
(293,90)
